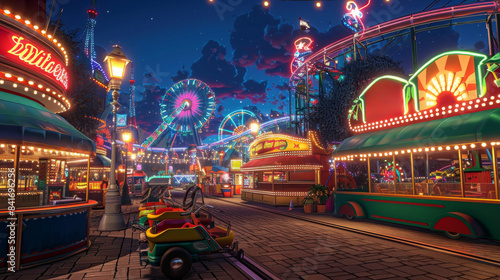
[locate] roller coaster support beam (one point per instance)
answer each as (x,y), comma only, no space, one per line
(413,36)
(196,137)
(303,131)
(290,107)
(497,41)
(491,38)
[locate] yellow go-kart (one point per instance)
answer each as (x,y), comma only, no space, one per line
(175,249)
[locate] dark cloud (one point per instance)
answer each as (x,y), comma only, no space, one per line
(282,96)
(253,90)
(247,39)
(181,75)
(478,46)
(213,68)
(268,43)
(220,109)
(283,86)
(223,77)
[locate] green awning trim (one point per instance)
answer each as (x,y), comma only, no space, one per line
(481,126)
(24,120)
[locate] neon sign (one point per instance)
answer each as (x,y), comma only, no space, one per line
(452,83)
(16,48)
(302,50)
(352,19)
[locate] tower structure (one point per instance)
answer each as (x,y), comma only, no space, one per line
(98,74)
(131,122)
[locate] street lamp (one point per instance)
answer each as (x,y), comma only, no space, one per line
(221,155)
(112,218)
(127,137)
(254,128)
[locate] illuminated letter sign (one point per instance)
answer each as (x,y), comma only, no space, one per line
(19,49)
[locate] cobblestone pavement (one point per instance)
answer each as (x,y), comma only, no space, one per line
(482,247)
(295,249)
(113,255)
(287,247)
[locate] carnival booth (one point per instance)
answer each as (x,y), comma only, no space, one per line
(219,181)
(425,153)
(98,178)
(35,148)
(236,175)
(137,182)
(283,168)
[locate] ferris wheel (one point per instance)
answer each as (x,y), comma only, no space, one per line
(236,123)
(185,108)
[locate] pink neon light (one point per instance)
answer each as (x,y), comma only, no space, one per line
(302,48)
(408,21)
(356,13)
(195,104)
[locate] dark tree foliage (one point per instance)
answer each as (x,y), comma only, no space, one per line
(82,89)
(329,115)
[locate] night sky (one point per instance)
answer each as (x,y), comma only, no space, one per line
(240,49)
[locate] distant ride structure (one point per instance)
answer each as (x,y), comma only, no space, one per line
(185,108)
(98,74)
(236,123)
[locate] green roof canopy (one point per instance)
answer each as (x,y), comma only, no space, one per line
(468,128)
(27,121)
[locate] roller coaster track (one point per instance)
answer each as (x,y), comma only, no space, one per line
(399,24)
(263,126)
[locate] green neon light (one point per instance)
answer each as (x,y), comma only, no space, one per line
(390,77)
(158,176)
(479,73)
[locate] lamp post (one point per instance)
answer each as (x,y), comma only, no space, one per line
(127,137)
(221,155)
(112,218)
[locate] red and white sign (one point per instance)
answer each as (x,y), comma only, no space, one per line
(22,51)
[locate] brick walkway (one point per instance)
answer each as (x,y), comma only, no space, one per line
(287,247)
(295,249)
(113,255)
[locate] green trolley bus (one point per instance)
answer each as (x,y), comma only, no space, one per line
(425,149)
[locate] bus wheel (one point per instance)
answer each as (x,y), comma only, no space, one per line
(453,235)
(349,217)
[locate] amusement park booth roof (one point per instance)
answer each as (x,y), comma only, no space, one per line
(284,167)
(469,128)
(26,121)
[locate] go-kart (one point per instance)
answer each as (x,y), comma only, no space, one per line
(174,249)
(168,217)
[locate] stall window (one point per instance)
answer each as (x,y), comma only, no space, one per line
(478,173)
(403,179)
(6,173)
(382,176)
(279,176)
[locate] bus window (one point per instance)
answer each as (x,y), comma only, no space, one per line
(478,173)
(382,176)
(403,174)
(444,173)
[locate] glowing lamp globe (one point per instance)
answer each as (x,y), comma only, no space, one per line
(126,136)
(254,128)
(116,62)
